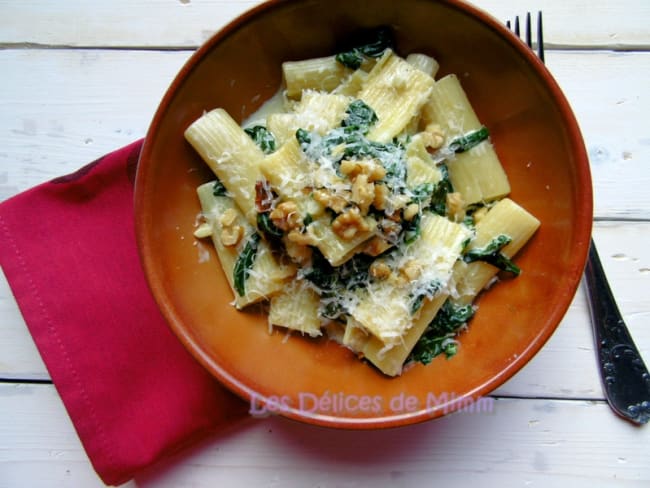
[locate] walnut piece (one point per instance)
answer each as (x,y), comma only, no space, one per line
(363,193)
(433,137)
(411,211)
(349,223)
(228,217)
(411,270)
(381,197)
(379,270)
(455,206)
(376,246)
(286,216)
(296,245)
(336,202)
(231,235)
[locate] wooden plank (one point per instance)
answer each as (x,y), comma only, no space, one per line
(63,109)
(607,94)
(557,442)
(38,442)
(571,349)
(19,357)
(95,101)
(188,23)
(622,249)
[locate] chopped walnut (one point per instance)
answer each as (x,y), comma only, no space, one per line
(379,270)
(299,238)
(455,206)
(231,232)
(376,246)
(411,211)
(390,229)
(349,223)
(411,270)
(203,230)
(286,216)
(363,193)
(296,245)
(228,217)
(433,137)
(381,197)
(350,168)
(331,200)
(231,235)
(371,168)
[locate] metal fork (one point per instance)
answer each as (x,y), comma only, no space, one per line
(625,378)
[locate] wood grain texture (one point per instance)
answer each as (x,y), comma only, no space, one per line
(177,24)
(80,79)
(64,108)
(516,443)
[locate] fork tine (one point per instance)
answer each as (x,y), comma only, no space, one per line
(529,32)
(517,33)
(540,37)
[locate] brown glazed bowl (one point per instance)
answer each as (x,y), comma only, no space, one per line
(317,381)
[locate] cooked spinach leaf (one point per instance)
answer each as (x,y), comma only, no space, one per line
(349,276)
(439,336)
(439,193)
(450,317)
(360,117)
(303,136)
(244,264)
(411,229)
(428,347)
(334,283)
(422,192)
(427,292)
(351,138)
(218,190)
(379,40)
(491,254)
(262,137)
(469,140)
(266,225)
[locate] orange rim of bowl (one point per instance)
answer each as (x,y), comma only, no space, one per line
(584,212)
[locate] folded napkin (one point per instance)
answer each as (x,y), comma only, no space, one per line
(67,248)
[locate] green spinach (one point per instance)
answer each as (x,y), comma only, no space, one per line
(360,117)
(244,264)
(218,190)
(262,137)
(380,40)
(469,140)
(491,254)
(439,336)
(439,192)
(266,226)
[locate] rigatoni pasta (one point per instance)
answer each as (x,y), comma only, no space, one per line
(370,206)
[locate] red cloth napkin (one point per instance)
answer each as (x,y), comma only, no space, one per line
(67,248)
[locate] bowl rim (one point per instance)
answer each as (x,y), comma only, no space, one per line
(583,211)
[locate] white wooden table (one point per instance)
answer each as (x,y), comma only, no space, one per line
(79,79)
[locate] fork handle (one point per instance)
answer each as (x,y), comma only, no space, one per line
(626,380)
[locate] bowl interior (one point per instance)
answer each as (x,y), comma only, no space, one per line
(318,381)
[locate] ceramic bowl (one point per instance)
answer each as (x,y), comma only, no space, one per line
(318,381)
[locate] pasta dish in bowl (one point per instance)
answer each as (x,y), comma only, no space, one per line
(319,226)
